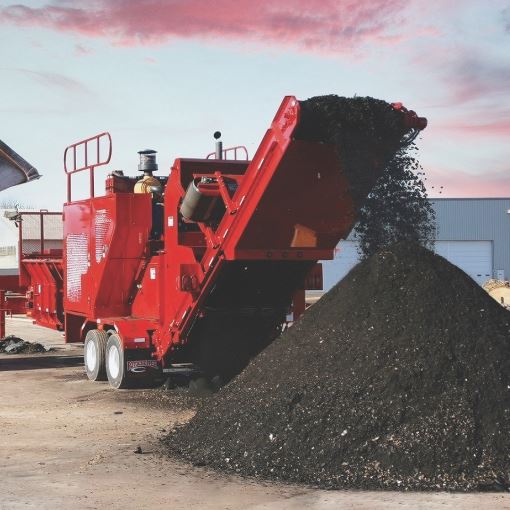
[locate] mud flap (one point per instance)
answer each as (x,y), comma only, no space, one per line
(142,367)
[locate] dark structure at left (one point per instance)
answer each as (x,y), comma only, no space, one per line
(14,169)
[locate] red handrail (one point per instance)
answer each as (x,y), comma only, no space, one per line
(240,148)
(89,164)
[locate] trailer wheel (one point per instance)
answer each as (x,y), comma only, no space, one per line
(94,355)
(116,363)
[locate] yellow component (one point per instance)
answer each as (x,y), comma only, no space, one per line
(148,184)
(304,237)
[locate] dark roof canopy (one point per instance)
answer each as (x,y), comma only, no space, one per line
(14,169)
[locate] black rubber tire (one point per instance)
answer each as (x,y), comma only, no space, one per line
(98,340)
(116,363)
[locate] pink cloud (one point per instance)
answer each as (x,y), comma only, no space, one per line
(446,182)
(478,76)
(462,73)
(326,25)
(488,127)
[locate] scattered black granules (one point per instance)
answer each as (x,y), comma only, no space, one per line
(14,345)
(398,378)
(367,133)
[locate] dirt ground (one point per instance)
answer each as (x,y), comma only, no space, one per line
(69,443)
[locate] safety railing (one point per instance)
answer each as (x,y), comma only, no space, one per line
(92,158)
(225,152)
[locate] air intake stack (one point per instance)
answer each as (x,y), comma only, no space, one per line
(147,165)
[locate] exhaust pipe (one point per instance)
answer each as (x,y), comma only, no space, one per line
(219,145)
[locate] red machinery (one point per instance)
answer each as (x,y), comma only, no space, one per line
(2,313)
(203,266)
(15,295)
(40,265)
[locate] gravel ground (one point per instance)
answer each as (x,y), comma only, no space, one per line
(69,443)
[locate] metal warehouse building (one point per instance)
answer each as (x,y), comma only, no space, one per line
(472,233)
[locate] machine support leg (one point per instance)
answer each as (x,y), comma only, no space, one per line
(298,304)
(2,313)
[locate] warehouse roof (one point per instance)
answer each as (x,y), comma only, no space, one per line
(14,169)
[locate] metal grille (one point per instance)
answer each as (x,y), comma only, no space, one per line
(41,232)
(76,264)
(102,224)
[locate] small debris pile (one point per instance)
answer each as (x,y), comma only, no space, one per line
(398,378)
(14,345)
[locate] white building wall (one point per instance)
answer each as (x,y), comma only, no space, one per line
(473,234)
(8,245)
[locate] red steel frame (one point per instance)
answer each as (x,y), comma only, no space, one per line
(41,272)
(15,294)
(2,313)
(98,159)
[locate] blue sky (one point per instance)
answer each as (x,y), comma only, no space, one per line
(167,74)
